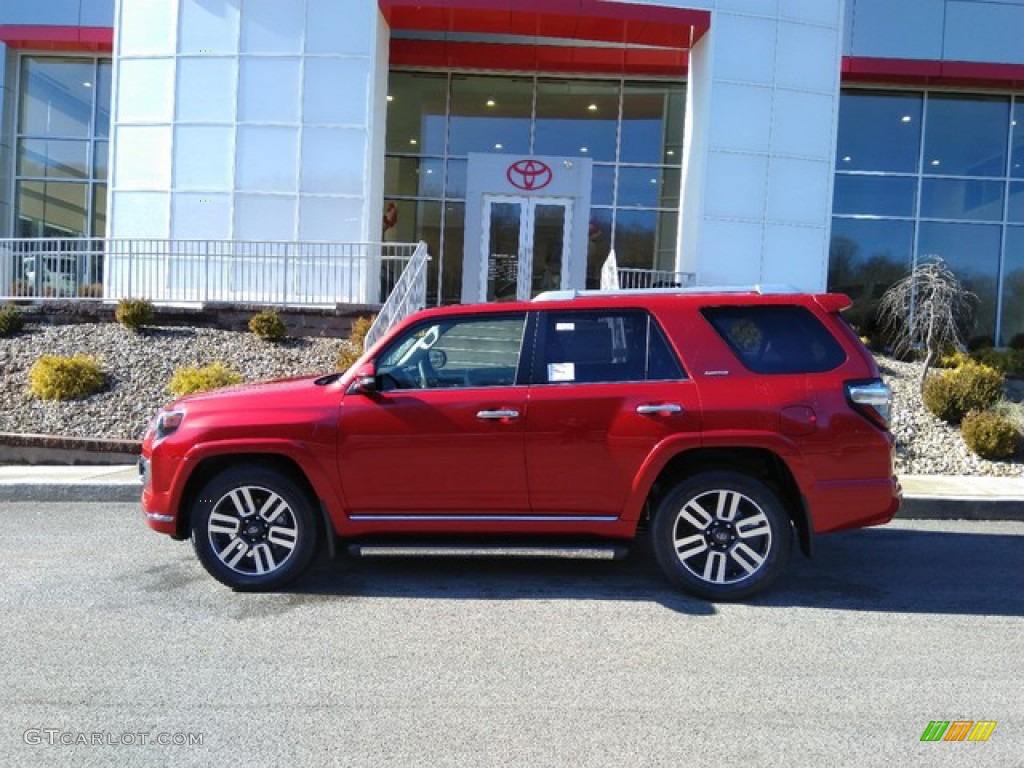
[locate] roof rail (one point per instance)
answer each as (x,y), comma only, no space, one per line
(764,290)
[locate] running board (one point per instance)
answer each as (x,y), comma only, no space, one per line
(587,552)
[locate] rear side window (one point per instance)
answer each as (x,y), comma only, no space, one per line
(603,346)
(776,338)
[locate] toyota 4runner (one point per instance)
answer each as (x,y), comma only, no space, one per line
(722,424)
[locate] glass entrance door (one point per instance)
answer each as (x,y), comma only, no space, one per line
(525,246)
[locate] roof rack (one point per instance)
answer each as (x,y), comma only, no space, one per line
(764,290)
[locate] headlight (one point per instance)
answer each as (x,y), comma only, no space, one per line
(167,422)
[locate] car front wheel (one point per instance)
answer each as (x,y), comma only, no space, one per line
(253,528)
(721,535)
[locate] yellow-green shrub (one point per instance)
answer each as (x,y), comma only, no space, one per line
(953,393)
(353,350)
(990,434)
(133,314)
(189,379)
(268,325)
(954,360)
(10,321)
(53,377)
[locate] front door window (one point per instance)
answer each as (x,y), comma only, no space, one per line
(526,243)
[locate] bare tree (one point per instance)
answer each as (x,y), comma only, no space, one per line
(928,308)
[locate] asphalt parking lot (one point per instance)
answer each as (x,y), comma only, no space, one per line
(114,638)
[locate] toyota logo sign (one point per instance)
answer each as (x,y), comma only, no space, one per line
(529,175)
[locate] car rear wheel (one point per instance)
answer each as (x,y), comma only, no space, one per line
(253,528)
(721,535)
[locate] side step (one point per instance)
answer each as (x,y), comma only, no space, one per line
(553,551)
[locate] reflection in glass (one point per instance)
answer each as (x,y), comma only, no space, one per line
(972,252)
(577,118)
(457,170)
(503,251)
(649,187)
(1012,328)
(966,135)
(1017,141)
(454,236)
(962,199)
(103,98)
(490,114)
(99,210)
(874,195)
(602,185)
(416,113)
(866,256)
(879,131)
(652,123)
(100,153)
(51,209)
(409,221)
(1015,209)
(56,97)
(548,246)
(635,234)
(53,159)
(413,177)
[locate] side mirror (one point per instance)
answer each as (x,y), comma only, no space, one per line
(365,381)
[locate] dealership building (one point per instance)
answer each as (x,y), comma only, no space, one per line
(815,143)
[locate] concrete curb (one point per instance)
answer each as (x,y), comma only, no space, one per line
(960,508)
(104,493)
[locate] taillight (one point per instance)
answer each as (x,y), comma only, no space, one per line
(872,399)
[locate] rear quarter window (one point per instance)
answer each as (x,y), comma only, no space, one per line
(776,338)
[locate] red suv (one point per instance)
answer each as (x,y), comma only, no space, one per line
(718,423)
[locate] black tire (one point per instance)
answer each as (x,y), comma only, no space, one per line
(253,528)
(721,535)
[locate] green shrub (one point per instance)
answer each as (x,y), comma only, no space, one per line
(353,350)
(268,325)
(990,434)
(10,321)
(971,387)
(133,314)
(1003,360)
(189,379)
(953,360)
(65,378)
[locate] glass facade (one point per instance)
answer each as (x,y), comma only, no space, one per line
(633,132)
(62,145)
(923,173)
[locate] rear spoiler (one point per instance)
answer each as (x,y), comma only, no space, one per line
(833,302)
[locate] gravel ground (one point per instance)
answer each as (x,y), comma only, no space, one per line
(139,367)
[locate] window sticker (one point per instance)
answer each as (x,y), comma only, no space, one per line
(561,372)
(565,326)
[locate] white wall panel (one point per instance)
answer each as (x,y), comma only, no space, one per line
(206,90)
(143,157)
(273,26)
(331,219)
(327,155)
(147,27)
(207,165)
(141,214)
(792,256)
(797,122)
(146,91)
(209,28)
(265,159)
(322,104)
(735,187)
(739,115)
(798,191)
(807,59)
(268,90)
(340,28)
(733,248)
(754,60)
(265,217)
(201,216)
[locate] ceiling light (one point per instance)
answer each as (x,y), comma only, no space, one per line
(654,181)
(413,142)
(390,97)
(847,159)
(592,108)
(584,150)
(87,84)
(935,162)
(491,103)
(499,146)
(905,119)
(671,153)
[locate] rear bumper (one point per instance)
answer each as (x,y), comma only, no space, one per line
(838,505)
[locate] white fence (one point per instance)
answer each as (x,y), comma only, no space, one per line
(409,295)
(614,277)
(201,271)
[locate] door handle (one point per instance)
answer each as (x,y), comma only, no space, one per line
(505,413)
(648,408)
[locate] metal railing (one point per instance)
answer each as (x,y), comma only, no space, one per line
(408,295)
(614,277)
(201,271)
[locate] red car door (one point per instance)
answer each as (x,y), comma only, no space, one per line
(444,435)
(606,390)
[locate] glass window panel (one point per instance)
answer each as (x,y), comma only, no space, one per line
(100,158)
(269,90)
(408,221)
(966,135)
(972,252)
(413,177)
(54,159)
(548,238)
(874,195)
(577,117)
(416,113)
(452,256)
(866,256)
(1015,209)
(99,210)
(55,100)
(457,174)
(879,131)
(649,187)
(599,244)
(602,190)
(1017,126)
(1013,287)
(52,209)
(636,235)
(962,199)
(103,98)
(652,123)
(665,240)
(490,114)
